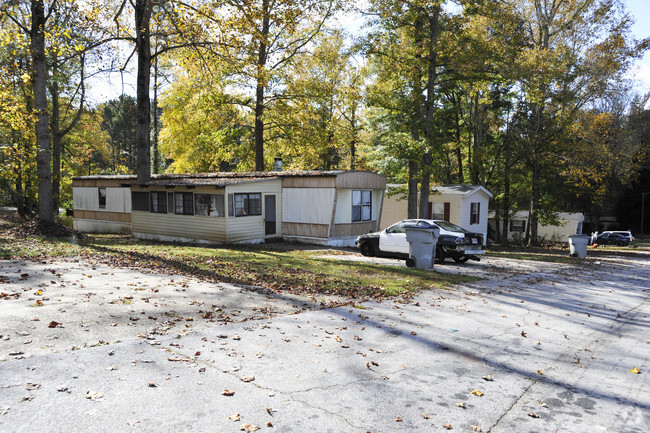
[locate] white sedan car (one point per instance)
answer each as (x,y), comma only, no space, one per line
(454,241)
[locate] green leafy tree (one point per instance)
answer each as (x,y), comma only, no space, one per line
(260,40)
(575,50)
(317,123)
(203,129)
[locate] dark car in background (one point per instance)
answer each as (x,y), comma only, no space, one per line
(611,238)
(625,233)
(454,241)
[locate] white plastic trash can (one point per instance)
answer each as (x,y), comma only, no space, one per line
(422,246)
(578,245)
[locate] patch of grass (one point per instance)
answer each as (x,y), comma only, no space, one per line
(286,270)
(32,248)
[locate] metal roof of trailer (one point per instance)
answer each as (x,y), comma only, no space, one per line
(213,179)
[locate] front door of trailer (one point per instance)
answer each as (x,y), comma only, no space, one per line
(269,214)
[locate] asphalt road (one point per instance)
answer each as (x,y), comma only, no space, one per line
(544,348)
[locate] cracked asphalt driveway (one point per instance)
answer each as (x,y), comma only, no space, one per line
(548,348)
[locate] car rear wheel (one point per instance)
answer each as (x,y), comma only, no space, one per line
(461,259)
(367,249)
(440,255)
(619,244)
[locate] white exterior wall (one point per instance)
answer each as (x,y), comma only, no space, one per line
(558,232)
(466,214)
(118,200)
(251,228)
(308,205)
(344,206)
(572,225)
(87,198)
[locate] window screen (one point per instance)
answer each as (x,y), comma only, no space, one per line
(517,226)
(170,202)
(248,204)
(209,205)
(361,205)
(158,202)
(184,203)
(101,194)
(140,200)
(475,213)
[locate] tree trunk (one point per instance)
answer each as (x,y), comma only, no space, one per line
(143,103)
(353,141)
(459,153)
(39,82)
(156,156)
(55,126)
(261,85)
(412,199)
(479,135)
(429,130)
(425,186)
(534,199)
(505,204)
(20,199)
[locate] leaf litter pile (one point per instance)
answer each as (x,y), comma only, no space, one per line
(44,229)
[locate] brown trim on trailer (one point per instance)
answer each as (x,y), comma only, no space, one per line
(309,182)
(305,229)
(360,180)
(93,183)
(119,217)
(354,229)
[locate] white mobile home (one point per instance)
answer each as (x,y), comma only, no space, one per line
(570,224)
(322,207)
(102,204)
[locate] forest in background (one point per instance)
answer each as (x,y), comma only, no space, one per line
(525,97)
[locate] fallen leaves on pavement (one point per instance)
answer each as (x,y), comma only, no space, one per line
(94,395)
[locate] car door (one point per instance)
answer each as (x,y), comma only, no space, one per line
(393,239)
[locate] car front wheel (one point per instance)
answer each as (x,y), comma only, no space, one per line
(367,249)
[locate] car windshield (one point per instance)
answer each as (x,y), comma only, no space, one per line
(401,226)
(450,227)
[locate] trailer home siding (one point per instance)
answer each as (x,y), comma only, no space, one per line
(251,228)
(318,209)
(182,228)
(112,215)
(310,206)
